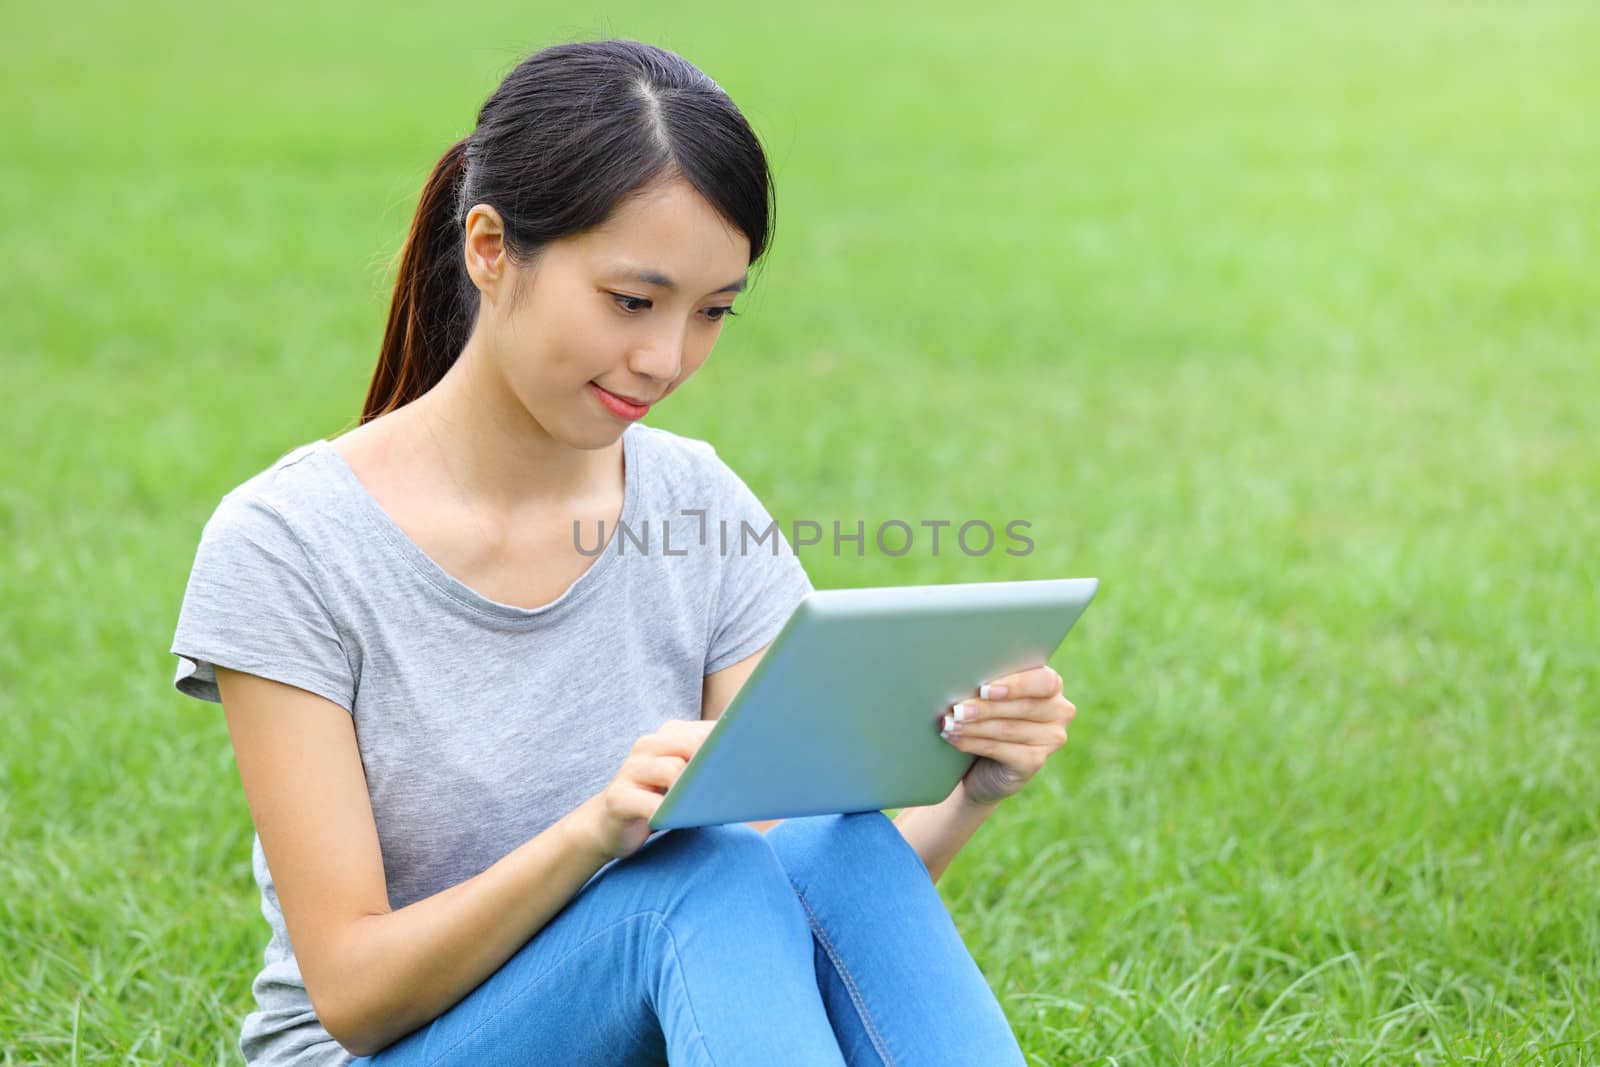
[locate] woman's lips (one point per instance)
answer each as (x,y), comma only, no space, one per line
(623,409)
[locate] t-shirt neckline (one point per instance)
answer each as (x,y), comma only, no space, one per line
(457,590)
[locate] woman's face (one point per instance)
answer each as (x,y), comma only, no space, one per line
(631,307)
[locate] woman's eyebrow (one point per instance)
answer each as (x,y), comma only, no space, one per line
(655,277)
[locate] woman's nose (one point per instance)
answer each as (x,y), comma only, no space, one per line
(661,360)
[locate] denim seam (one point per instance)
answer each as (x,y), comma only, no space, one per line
(553,964)
(856,998)
(672,942)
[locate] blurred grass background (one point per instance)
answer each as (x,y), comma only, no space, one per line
(1282,319)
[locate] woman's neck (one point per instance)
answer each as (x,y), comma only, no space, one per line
(479,433)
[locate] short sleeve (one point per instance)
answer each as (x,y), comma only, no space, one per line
(252,604)
(762,579)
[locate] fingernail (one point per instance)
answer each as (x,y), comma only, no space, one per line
(991,692)
(960,713)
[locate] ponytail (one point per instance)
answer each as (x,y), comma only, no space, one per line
(430,317)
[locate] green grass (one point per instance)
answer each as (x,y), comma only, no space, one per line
(1283,320)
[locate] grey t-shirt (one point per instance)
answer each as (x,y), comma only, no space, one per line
(479,723)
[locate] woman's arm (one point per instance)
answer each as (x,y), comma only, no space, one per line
(374,974)
(937,831)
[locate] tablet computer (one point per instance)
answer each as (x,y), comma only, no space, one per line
(841,713)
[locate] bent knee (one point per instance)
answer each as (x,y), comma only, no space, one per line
(730,845)
(708,861)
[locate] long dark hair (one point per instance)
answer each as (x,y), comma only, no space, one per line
(573,130)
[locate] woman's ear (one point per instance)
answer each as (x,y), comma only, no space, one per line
(484,248)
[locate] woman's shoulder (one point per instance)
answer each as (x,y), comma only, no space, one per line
(686,465)
(699,477)
(284,493)
(693,453)
(672,444)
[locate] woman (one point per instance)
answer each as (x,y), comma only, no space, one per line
(453,718)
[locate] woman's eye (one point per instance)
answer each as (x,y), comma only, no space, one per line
(633,304)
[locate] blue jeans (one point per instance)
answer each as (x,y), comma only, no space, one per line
(822,941)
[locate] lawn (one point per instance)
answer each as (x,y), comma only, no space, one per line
(1281,319)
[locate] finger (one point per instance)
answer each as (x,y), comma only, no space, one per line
(1024,759)
(641,802)
(680,737)
(1029,708)
(1033,682)
(1017,731)
(657,771)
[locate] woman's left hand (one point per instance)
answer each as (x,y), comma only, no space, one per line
(1014,726)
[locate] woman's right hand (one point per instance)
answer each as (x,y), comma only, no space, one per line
(617,819)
